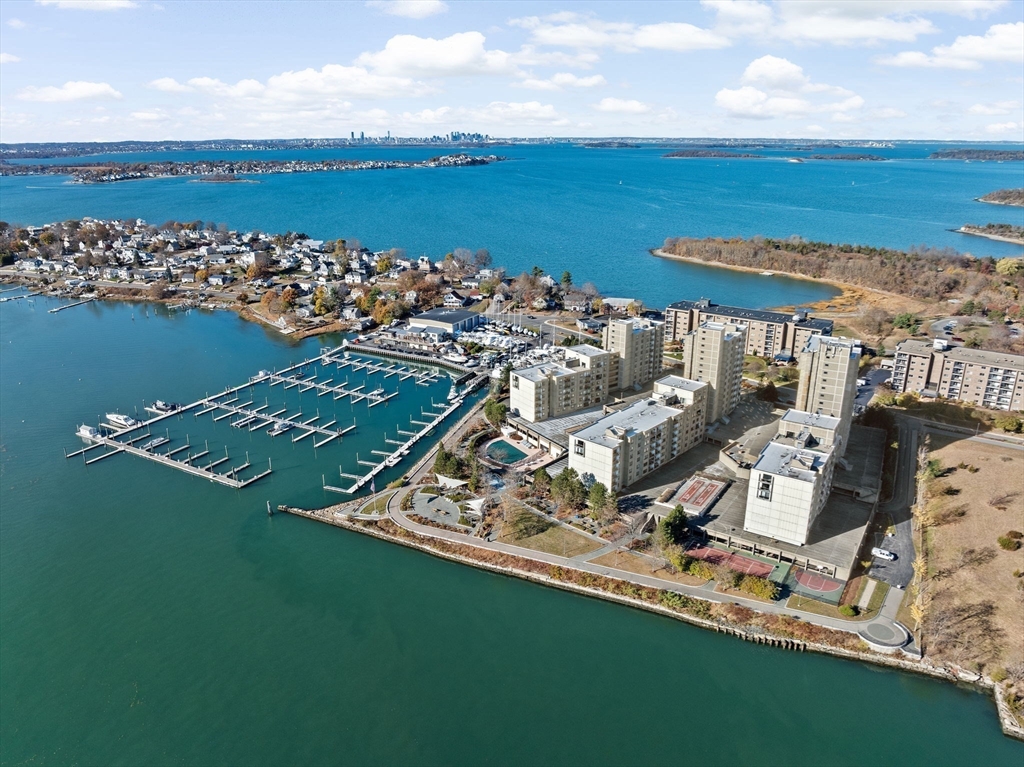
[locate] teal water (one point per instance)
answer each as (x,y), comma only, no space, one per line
(147,617)
(593,212)
(505,452)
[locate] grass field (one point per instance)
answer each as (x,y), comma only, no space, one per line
(380,506)
(635,563)
(555,540)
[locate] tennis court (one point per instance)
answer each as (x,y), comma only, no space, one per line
(736,561)
(814,585)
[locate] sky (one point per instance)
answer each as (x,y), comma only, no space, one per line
(108,70)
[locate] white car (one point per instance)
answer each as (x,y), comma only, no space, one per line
(883,554)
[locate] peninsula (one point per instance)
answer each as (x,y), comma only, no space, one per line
(229,170)
(1001,232)
(1005,197)
(977,154)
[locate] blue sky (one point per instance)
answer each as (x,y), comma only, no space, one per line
(135,69)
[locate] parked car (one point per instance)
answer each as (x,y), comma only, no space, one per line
(883,554)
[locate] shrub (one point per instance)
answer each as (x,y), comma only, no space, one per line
(998,675)
(950,490)
(1015,534)
(1008,544)
(395,483)
(848,610)
(1009,423)
(698,568)
(759,587)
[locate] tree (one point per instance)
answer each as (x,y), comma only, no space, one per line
(256,271)
(597,497)
(968,308)
(768,393)
(536,272)
(1009,423)
(907,321)
(201,275)
(1009,267)
(482,258)
(243,298)
(288,296)
(495,411)
(541,480)
(567,489)
(673,527)
(158,290)
(384,264)
(566,279)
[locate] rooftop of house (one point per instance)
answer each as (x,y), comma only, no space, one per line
(825,326)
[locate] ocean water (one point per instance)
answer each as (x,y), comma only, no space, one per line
(593,212)
(149,617)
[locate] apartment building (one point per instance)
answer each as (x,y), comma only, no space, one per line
(553,389)
(625,445)
(828,380)
(638,344)
(772,335)
(713,353)
(789,486)
(934,369)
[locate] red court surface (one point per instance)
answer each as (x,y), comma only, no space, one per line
(816,582)
(735,561)
(698,493)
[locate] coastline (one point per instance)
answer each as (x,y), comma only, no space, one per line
(997,237)
(848,293)
(618,592)
(1000,202)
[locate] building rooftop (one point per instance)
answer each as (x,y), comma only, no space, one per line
(814,343)
(678,382)
(803,418)
(444,315)
(543,370)
(586,350)
(962,353)
(558,429)
(787,460)
(825,326)
(614,427)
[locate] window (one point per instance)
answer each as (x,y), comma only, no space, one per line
(515,382)
(764,487)
(581,447)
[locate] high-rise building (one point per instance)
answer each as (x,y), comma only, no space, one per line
(828,380)
(713,353)
(553,389)
(638,344)
(772,335)
(625,445)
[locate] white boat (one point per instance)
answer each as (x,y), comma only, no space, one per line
(767,274)
(281,428)
(377,392)
(259,376)
(124,421)
(154,443)
(88,432)
(458,359)
(165,407)
(453,394)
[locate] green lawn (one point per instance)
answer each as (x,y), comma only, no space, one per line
(555,540)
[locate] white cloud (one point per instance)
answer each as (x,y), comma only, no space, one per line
(152,116)
(741,18)
(570,30)
(410,9)
(562,80)
(9,58)
(74,90)
(463,53)
(997,108)
(888,113)
(622,106)
(16,24)
(1003,127)
(89,5)
(776,87)
(1001,43)
(168,85)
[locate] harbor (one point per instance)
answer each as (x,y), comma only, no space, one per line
(318,401)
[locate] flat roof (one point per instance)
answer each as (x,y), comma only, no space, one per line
(678,382)
(789,461)
(587,350)
(639,416)
(557,430)
(962,353)
(804,418)
(816,342)
(543,370)
(453,316)
(751,314)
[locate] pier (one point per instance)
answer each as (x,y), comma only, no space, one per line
(56,309)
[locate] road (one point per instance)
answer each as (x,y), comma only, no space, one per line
(900,572)
(865,393)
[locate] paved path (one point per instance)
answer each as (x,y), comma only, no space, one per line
(900,572)
(865,597)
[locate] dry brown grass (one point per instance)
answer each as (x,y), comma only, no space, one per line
(635,563)
(555,540)
(977,603)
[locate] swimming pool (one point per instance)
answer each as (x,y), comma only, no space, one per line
(504,452)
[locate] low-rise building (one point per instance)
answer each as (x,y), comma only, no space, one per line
(934,369)
(772,335)
(447,321)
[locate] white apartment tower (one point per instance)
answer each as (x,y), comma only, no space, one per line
(828,380)
(627,444)
(553,389)
(713,353)
(638,345)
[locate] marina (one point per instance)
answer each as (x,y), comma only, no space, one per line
(238,407)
